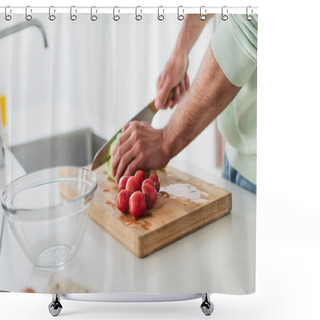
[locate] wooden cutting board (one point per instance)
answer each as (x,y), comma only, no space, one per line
(184,204)
(172,217)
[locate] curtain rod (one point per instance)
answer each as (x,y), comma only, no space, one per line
(128,10)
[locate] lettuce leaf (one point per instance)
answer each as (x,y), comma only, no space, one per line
(108,169)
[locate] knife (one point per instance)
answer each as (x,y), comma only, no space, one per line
(146,114)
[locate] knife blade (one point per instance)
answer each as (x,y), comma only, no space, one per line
(145,114)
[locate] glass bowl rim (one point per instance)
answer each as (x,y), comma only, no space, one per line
(11,210)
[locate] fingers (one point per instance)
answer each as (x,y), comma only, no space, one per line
(126,159)
(133,166)
(187,82)
(127,149)
(163,94)
(179,91)
(125,127)
(176,96)
(140,146)
(169,104)
(160,82)
(182,85)
(122,146)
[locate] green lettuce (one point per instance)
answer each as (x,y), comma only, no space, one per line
(108,168)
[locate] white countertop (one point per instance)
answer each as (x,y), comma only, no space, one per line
(219,257)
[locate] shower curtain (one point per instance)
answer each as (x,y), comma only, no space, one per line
(67,86)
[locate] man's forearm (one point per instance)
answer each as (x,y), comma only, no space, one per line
(190,31)
(209,95)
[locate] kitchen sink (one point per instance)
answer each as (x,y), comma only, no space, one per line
(75,148)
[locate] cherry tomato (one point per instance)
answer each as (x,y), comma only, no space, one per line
(140,175)
(156,180)
(148,181)
(132,185)
(123,182)
(150,193)
(123,201)
(137,204)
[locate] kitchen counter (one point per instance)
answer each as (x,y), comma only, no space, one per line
(219,257)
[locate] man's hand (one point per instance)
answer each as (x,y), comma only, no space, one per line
(140,146)
(174,76)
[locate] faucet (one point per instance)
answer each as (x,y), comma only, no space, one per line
(24,25)
(6,32)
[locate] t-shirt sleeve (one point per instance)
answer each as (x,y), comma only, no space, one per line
(234,45)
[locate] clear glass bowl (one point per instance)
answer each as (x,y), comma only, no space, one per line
(48,211)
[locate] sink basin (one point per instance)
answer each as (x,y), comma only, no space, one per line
(76,148)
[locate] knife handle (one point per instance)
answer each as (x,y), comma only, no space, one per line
(170,96)
(153,107)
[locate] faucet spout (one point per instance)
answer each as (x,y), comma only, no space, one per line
(24,25)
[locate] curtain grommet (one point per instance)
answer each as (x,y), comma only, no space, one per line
(203,13)
(180,13)
(249,15)
(7,15)
(138,16)
(116,17)
(224,13)
(160,16)
(52,10)
(28,16)
(73,16)
(93,17)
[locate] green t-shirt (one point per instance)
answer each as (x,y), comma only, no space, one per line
(234,45)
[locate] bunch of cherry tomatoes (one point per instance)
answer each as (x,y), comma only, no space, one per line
(137,193)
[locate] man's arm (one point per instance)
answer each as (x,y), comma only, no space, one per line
(209,95)
(174,74)
(190,31)
(141,146)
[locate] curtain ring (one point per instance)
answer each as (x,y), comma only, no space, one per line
(7,16)
(160,16)
(28,16)
(73,16)
(52,16)
(180,15)
(224,13)
(116,17)
(203,15)
(93,17)
(138,16)
(249,16)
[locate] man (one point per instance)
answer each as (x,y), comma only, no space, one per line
(225,86)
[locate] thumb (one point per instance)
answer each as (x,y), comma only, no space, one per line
(162,95)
